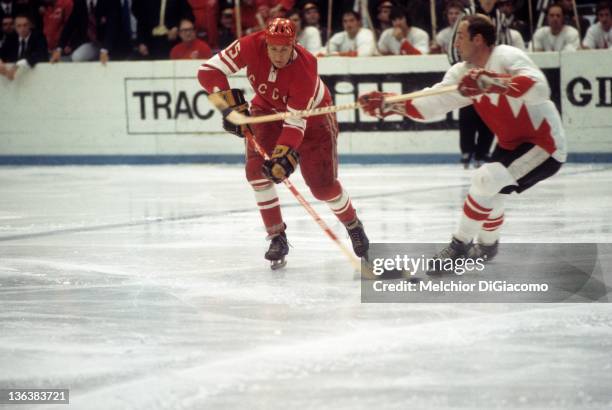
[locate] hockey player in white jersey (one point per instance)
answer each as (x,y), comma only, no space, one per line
(511,95)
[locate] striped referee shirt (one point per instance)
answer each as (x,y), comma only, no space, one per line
(499,20)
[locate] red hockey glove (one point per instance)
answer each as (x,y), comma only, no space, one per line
(478,81)
(236,101)
(373,103)
(282,164)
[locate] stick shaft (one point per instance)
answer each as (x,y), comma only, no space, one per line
(238,19)
(576,16)
(240,119)
(330,7)
(354,261)
(434,23)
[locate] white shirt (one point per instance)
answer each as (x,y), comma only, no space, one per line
(418,38)
(7,7)
(443,38)
(23,62)
(517,39)
(567,40)
(363,43)
(310,39)
(596,37)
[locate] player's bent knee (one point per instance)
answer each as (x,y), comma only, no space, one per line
(490,178)
(326,192)
(254,174)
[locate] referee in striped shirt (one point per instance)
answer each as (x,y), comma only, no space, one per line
(475,137)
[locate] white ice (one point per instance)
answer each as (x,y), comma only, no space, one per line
(146,288)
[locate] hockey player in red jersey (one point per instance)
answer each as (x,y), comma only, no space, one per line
(285,78)
(511,95)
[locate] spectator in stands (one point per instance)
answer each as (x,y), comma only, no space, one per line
(308,36)
(570,18)
(157,29)
(91,31)
(205,13)
(227,29)
(312,17)
(8,29)
(403,38)
(516,39)
(599,34)
(383,17)
(557,36)
(55,16)
(190,47)
(24,50)
(451,13)
(513,22)
(354,40)
(25,7)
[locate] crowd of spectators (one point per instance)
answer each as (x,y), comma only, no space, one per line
(88,30)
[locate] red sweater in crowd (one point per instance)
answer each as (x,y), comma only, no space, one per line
(193,50)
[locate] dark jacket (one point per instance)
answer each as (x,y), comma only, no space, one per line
(108,24)
(147,16)
(36,49)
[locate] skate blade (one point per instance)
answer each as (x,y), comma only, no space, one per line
(278,264)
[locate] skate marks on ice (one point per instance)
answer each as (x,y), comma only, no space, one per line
(187,314)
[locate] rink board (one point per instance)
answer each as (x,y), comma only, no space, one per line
(156,112)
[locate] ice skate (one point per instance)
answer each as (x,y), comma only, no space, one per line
(455,250)
(465,160)
(359,239)
(279,248)
(486,252)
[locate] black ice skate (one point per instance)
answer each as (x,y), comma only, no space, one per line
(465,160)
(486,252)
(359,239)
(279,248)
(455,250)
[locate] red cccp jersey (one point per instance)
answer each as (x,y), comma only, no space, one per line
(295,87)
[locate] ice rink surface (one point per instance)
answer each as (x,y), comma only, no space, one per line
(146,288)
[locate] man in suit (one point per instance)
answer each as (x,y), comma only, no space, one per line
(91,31)
(8,29)
(157,35)
(26,49)
(7,8)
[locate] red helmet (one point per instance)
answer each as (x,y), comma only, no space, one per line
(280,32)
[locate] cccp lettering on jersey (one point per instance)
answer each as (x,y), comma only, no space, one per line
(262,89)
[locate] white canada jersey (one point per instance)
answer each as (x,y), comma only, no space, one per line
(389,44)
(363,43)
(596,37)
(443,38)
(523,115)
(310,39)
(567,40)
(516,39)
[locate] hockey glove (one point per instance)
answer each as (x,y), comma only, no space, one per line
(373,103)
(478,81)
(236,101)
(282,164)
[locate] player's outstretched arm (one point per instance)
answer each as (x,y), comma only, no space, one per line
(429,105)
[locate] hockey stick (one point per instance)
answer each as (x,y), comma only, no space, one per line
(434,22)
(222,105)
(241,119)
(577,17)
(330,8)
(238,19)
